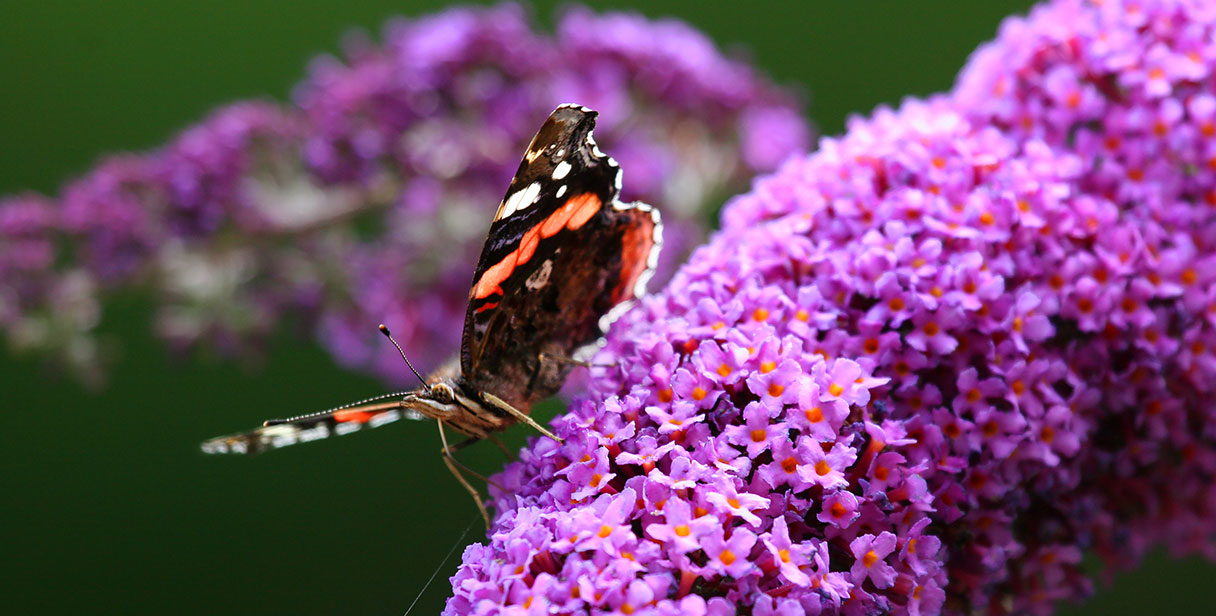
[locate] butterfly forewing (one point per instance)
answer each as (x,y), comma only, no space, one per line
(277,434)
(561,244)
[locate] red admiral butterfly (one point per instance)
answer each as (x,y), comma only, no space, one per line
(563,258)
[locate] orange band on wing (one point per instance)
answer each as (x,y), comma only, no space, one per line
(574,213)
(355,416)
(583,207)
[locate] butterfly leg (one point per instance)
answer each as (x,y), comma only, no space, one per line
(520,415)
(453,466)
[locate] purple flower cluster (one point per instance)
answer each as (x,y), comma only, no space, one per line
(920,371)
(367,200)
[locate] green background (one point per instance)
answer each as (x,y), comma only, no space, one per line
(107,503)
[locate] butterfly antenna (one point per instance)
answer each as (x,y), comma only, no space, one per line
(384,330)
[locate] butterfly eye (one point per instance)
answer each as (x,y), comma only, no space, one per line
(443,394)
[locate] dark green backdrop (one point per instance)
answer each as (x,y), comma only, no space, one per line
(108,504)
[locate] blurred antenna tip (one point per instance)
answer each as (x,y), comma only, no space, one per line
(384,329)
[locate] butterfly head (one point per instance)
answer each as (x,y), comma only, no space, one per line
(443,399)
(437,400)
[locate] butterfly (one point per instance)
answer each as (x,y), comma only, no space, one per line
(563,258)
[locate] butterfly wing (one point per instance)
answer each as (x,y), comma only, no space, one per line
(562,252)
(278,433)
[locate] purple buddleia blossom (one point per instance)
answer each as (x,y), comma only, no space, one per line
(994,312)
(367,199)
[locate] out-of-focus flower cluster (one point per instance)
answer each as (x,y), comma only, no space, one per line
(367,200)
(922,370)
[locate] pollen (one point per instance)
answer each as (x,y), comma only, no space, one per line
(869,559)
(767,366)
(758,436)
(776,389)
(1047,434)
(789,465)
(761,314)
(727,557)
(881,473)
(974,395)
(717,326)
(931,328)
(871,345)
(733,502)
(595,480)
(784,554)
(991,429)
(626,609)
(814,414)
(605,530)
(838,510)
(699,393)
(724,370)
(802,315)
(1073,99)
(822,467)
(682,530)
(835,389)
(665,395)
(896,303)
(1189,276)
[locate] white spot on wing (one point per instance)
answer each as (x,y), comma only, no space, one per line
(383,418)
(317,432)
(561,170)
(281,436)
(347,427)
(519,200)
(540,277)
(216,446)
(561,190)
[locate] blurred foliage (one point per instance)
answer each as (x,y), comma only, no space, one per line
(109,504)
